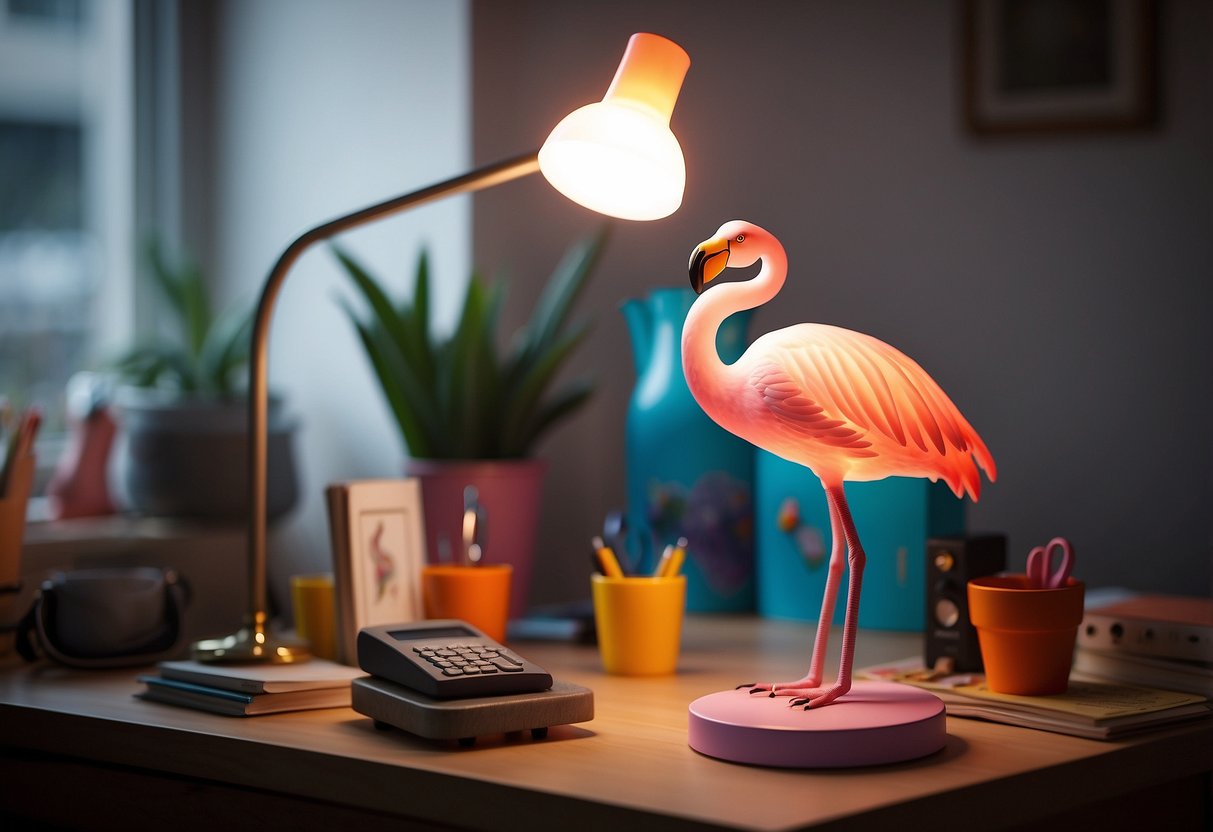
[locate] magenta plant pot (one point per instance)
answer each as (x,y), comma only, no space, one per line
(511,492)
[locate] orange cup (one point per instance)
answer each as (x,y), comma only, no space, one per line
(479,595)
(1026,635)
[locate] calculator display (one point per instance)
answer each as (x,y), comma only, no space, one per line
(416,633)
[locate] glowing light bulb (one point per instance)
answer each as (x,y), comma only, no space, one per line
(618,156)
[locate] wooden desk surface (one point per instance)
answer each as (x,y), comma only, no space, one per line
(630,765)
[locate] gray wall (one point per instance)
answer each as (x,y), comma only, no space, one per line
(1055,286)
(320,108)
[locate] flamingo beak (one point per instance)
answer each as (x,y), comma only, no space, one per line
(707,261)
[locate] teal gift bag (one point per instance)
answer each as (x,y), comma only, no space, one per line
(894,516)
(686,476)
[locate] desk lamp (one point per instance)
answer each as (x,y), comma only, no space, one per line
(616,156)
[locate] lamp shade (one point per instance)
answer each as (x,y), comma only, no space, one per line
(618,156)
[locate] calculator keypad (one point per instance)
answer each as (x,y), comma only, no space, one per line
(468,659)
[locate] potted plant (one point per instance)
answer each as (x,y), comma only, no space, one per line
(183,412)
(470,410)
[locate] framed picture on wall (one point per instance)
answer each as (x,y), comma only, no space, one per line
(378,540)
(1047,66)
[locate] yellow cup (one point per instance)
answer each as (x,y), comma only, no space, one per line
(639,622)
(315,615)
(479,595)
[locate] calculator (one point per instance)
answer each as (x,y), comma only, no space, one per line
(446,659)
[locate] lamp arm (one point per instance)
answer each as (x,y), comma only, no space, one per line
(258,402)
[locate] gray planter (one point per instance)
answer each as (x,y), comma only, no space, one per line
(188,456)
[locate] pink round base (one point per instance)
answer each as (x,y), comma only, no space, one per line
(873,724)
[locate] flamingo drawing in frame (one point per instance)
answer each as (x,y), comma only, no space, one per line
(844,404)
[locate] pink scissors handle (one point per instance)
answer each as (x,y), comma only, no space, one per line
(1040,560)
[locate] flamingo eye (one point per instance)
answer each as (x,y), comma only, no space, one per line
(741,238)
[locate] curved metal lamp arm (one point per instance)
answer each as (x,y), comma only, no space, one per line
(253,641)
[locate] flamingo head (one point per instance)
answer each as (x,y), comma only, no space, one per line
(736,244)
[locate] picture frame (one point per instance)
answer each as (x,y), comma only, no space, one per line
(378,539)
(1058,66)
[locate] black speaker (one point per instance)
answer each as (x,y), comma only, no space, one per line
(951,563)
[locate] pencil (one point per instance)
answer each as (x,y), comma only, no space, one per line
(664,561)
(672,559)
(606,559)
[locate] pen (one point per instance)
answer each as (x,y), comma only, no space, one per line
(606,559)
(20,445)
(30,422)
(614,532)
(671,559)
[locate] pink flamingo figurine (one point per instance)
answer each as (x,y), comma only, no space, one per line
(844,404)
(384,563)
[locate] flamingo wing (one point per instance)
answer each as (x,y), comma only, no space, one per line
(866,399)
(784,396)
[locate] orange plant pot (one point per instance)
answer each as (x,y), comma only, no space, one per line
(1026,635)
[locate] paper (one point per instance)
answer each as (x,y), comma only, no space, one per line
(1096,701)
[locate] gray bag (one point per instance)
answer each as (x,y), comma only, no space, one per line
(93,618)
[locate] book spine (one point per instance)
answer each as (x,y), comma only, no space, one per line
(195,689)
(198,702)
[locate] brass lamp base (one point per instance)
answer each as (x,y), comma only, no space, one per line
(251,643)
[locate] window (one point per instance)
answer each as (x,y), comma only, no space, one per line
(66,189)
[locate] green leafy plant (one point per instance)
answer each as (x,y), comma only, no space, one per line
(461,396)
(207,354)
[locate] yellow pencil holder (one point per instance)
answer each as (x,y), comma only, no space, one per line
(314,597)
(639,623)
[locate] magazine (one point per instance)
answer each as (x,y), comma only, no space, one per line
(1088,708)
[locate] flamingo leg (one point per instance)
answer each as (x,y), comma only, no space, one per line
(856,561)
(808,690)
(829,597)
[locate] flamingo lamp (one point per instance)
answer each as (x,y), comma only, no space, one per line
(616,156)
(847,407)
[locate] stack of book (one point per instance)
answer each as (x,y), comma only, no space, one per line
(1157,640)
(1092,709)
(251,689)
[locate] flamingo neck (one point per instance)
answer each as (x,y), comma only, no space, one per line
(707,376)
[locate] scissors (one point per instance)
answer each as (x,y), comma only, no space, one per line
(1040,560)
(474,517)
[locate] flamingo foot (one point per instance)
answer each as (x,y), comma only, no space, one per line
(816,697)
(774,689)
